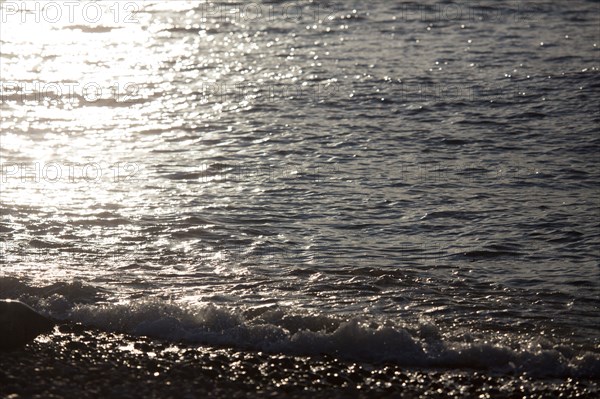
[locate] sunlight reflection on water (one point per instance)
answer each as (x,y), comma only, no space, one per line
(343,165)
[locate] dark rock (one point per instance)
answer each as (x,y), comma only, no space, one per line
(20,324)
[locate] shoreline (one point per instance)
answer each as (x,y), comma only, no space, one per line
(77,361)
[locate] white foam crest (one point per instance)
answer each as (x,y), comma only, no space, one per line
(350,340)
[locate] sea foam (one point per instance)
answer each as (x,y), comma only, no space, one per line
(349,339)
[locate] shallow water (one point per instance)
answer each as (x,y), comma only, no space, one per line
(391,181)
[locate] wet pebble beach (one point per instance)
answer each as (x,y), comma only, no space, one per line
(78,362)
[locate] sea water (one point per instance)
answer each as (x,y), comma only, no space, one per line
(381,181)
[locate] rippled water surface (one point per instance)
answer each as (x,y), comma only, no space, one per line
(275,171)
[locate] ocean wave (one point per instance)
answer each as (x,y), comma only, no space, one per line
(273,329)
(277,331)
(67,293)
